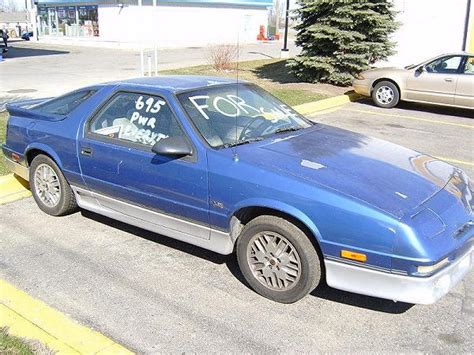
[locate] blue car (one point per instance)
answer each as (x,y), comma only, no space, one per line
(224,165)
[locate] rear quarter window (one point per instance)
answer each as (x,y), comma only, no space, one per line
(63,105)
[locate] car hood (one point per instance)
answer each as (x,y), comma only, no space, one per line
(377,72)
(385,175)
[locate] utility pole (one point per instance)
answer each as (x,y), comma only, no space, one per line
(285,52)
(466,26)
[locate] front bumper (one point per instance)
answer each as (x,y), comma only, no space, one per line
(409,289)
(362,87)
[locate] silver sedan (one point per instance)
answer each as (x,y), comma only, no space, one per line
(447,79)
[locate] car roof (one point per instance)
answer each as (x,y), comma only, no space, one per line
(176,83)
(455,53)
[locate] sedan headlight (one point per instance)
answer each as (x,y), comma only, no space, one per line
(359,76)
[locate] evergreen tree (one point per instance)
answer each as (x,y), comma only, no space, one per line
(341,38)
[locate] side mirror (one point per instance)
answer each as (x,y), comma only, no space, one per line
(421,69)
(172,146)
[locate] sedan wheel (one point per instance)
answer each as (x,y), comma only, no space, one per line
(277,259)
(386,94)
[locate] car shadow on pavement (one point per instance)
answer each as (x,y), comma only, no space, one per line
(322,291)
(17,52)
(419,107)
(360,301)
(158,238)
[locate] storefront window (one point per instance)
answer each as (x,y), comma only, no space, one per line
(88,21)
(71,21)
(43,21)
(52,21)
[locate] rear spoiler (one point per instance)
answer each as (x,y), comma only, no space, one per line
(23,109)
(30,102)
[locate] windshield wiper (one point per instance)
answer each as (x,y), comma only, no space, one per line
(288,129)
(234,144)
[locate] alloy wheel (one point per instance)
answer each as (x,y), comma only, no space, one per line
(47,185)
(274,261)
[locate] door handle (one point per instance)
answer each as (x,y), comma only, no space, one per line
(449,80)
(86,151)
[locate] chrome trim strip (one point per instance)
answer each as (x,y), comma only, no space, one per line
(192,233)
(421,290)
(366,266)
(18,169)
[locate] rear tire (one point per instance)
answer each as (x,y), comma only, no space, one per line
(49,187)
(277,259)
(386,94)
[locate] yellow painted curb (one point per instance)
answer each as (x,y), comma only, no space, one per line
(13,188)
(326,104)
(29,318)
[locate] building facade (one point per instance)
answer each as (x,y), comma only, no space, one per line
(432,27)
(165,23)
(15,23)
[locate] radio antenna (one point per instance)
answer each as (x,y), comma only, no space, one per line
(237,77)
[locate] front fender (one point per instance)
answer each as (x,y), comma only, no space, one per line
(399,80)
(281,207)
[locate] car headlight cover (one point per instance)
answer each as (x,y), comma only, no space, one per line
(359,76)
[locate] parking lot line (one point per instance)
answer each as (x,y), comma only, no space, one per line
(377,113)
(455,161)
(30,318)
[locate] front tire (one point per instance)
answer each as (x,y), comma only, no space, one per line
(277,259)
(386,94)
(49,187)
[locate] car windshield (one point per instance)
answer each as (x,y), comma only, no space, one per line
(413,66)
(233,114)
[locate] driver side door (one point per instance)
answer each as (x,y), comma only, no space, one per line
(126,177)
(436,82)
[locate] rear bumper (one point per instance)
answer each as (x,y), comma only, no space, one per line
(17,169)
(409,289)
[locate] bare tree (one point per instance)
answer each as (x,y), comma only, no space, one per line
(10,6)
(222,57)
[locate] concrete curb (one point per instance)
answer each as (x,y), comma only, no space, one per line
(29,318)
(13,188)
(332,102)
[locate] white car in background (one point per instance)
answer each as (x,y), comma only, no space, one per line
(447,80)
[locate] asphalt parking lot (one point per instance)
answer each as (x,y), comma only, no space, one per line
(35,69)
(154,294)
(446,133)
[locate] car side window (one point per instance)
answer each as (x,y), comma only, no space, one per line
(469,66)
(445,65)
(136,118)
(63,105)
